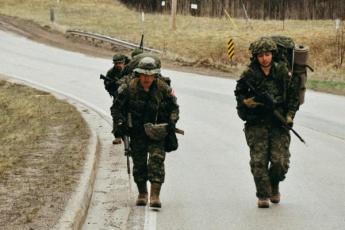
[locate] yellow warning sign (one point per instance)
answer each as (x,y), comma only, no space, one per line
(231,49)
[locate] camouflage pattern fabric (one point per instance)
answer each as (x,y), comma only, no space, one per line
(156,131)
(147,66)
(135,61)
(148,160)
(263,44)
(279,85)
(269,155)
(120,58)
(111,86)
(267,140)
(156,106)
(283,41)
(136,52)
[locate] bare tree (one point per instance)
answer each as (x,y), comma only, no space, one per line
(264,9)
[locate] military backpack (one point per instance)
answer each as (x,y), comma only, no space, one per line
(296,58)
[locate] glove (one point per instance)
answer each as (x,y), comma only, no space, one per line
(120,130)
(289,120)
(171,127)
(108,82)
(251,103)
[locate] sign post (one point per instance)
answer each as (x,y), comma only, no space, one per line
(231,49)
(173,14)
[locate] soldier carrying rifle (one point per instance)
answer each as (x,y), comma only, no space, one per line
(266,125)
(146,111)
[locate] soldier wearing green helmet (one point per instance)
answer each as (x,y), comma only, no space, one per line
(112,77)
(267,139)
(115,73)
(146,110)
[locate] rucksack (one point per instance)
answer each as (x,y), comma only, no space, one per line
(296,58)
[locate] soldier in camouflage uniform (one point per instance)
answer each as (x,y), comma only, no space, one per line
(115,73)
(267,139)
(146,101)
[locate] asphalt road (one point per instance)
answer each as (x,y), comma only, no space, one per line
(208,181)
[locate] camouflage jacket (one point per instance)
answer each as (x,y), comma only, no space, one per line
(159,105)
(283,89)
(111,86)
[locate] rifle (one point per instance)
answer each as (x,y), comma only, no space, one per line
(126,142)
(179,131)
(105,78)
(268,102)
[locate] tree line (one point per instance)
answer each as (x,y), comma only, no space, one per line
(263,9)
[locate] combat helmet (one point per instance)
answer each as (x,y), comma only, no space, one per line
(147,65)
(263,44)
(120,58)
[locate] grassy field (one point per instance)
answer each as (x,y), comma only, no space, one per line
(197,41)
(43,142)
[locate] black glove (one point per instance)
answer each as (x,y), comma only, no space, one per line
(171,127)
(120,130)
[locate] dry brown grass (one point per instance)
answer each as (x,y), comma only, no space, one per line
(196,40)
(43,143)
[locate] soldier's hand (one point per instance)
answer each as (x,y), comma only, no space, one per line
(251,103)
(289,120)
(120,130)
(171,127)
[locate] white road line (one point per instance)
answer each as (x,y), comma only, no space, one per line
(150,219)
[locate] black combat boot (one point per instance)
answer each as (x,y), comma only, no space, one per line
(142,197)
(154,196)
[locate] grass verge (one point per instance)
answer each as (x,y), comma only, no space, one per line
(43,142)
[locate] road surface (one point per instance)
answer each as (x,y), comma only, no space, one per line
(208,181)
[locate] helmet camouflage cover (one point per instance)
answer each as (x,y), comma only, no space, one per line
(119,58)
(147,65)
(156,131)
(263,44)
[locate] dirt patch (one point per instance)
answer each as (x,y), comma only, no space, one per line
(43,143)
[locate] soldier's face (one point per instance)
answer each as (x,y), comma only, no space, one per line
(146,81)
(265,59)
(119,65)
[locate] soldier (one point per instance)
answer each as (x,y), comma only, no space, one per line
(115,73)
(267,139)
(146,110)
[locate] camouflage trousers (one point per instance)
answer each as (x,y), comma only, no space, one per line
(269,155)
(148,160)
